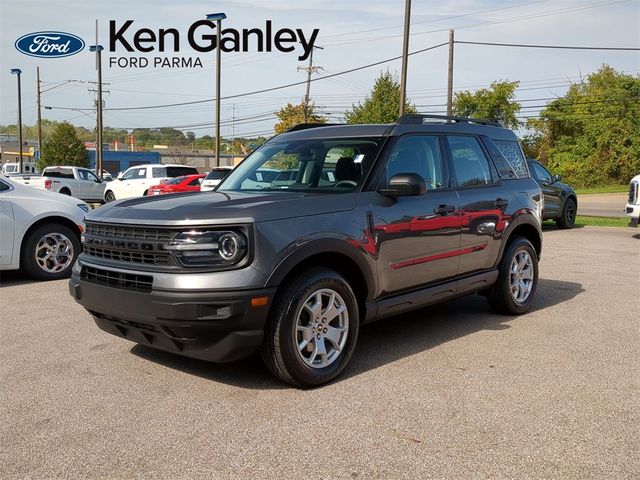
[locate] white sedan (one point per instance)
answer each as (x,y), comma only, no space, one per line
(39,230)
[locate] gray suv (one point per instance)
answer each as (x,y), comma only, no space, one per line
(367,222)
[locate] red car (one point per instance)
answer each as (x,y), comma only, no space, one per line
(186,183)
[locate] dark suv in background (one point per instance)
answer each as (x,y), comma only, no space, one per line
(368,222)
(560,199)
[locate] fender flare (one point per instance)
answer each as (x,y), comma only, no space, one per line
(325,246)
(526,218)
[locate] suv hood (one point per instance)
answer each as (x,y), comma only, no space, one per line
(221,208)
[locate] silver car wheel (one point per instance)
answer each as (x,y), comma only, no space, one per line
(521,275)
(322,326)
(54,252)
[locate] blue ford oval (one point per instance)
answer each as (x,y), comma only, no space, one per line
(49,44)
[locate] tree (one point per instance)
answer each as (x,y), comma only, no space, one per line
(495,103)
(63,147)
(291,115)
(382,106)
(592,134)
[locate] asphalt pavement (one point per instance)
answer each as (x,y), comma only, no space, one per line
(452,391)
(602,204)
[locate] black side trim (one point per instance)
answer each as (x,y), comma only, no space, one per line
(405,302)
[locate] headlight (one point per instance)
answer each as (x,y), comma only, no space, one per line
(208,248)
(85,207)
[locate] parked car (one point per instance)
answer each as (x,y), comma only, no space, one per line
(294,270)
(40,230)
(560,199)
(73,181)
(136,181)
(632,208)
(187,183)
(214,177)
(10,169)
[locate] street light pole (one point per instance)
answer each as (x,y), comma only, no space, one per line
(98,49)
(450,76)
(405,56)
(39,111)
(18,72)
(218,17)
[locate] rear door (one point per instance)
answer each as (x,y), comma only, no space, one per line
(483,204)
(418,238)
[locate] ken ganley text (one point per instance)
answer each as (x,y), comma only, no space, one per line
(201,37)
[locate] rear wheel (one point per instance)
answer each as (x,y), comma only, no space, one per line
(49,251)
(109,196)
(513,292)
(568,217)
(312,329)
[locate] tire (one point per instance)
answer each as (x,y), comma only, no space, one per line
(291,323)
(65,191)
(43,240)
(501,296)
(568,217)
(109,196)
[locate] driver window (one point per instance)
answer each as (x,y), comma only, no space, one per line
(418,154)
(541,173)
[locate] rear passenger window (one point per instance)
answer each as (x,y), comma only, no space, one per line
(471,166)
(417,154)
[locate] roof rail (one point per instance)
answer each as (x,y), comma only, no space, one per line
(306,126)
(420,119)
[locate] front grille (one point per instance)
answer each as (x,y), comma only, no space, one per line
(128,233)
(124,256)
(128,244)
(633,192)
(125,281)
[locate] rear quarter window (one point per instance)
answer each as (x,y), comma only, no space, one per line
(511,151)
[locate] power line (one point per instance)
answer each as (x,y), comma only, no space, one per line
(565,47)
(265,90)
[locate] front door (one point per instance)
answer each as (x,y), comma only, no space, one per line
(552,192)
(418,238)
(8,223)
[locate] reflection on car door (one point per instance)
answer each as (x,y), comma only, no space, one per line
(483,203)
(417,237)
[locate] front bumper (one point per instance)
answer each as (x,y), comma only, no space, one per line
(633,211)
(217,326)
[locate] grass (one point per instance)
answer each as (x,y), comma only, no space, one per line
(583,221)
(607,189)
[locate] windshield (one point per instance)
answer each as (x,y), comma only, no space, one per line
(314,165)
(174,181)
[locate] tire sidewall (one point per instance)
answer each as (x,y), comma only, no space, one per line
(299,370)
(28,261)
(109,196)
(563,223)
(518,245)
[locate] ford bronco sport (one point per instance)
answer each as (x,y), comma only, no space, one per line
(377,220)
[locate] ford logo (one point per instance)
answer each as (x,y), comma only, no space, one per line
(49,44)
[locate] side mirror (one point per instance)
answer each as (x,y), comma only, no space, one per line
(119,177)
(405,185)
(556,178)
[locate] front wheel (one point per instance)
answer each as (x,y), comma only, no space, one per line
(568,217)
(49,251)
(513,292)
(312,329)
(109,197)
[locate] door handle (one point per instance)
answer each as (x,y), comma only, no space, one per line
(444,209)
(501,202)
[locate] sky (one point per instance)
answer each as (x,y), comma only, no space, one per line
(352,33)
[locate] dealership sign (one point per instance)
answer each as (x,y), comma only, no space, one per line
(49,44)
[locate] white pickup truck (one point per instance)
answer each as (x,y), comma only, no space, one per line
(76,182)
(135,181)
(632,208)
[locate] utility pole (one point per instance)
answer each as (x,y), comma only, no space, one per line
(405,56)
(310,69)
(39,111)
(17,72)
(450,76)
